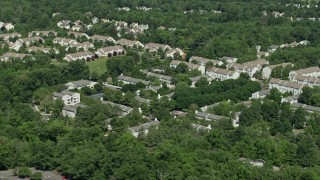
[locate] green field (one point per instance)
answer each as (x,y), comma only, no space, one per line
(98,65)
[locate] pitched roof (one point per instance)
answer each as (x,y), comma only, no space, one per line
(159,76)
(13,55)
(277,65)
(73,108)
(203,60)
(306,107)
(123,108)
(133,80)
(102,38)
(220,71)
(78,55)
(209,116)
(110,48)
(200,127)
(80,83)
(144,126)
(285,83)
(63,93)
(127,42)
(156,45)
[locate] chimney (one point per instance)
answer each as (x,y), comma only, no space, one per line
(209,126)
(196,112)
(155,119)
(140,110)
(159,97)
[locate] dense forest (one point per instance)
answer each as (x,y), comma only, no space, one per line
(84,148)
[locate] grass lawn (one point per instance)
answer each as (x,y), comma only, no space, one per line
(98,65)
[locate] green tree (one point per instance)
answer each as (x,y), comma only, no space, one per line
(299,118)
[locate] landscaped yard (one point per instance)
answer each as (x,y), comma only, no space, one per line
(98,65)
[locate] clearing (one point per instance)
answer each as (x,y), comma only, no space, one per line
(98,65)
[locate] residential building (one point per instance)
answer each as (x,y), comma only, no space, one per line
(6,26)
(78,34)
(71,110)
(27,41)
(76,27)
(290,99)
(309,76)
(86,55)
(39,49)
(257,163)
(308,108)
(42,33)
(124,110)
(208,116)
(103,38)
(191,66)
(249,68)
(110,51)
(162,78)
(266,71)
(272,48)
(64,24)
(177,51)
(229,59)
(304,42)
(222,74)
(64,41)
(143,128)
(85,46)
(11,56)
(129,43)
(154,88)
(7,36)
(199,127)
(194,80)
(68,97)
(80,84)
(262,54)
(130,80)
(143,100)
(153,47)
(95,20)
(311,72)
(260,94)
(286,86)
(204,61)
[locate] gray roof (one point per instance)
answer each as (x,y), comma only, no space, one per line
(144,126)
(264,92)
(273,47)
(200,127)
(209,116)
(285,83)
(153,88)
(81,83)
(125,109)
(197,78)
(63,93)
(97,96)
(132,80)
(292,98)
(74,107)
(306,107)
(143,100)
(159,76)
